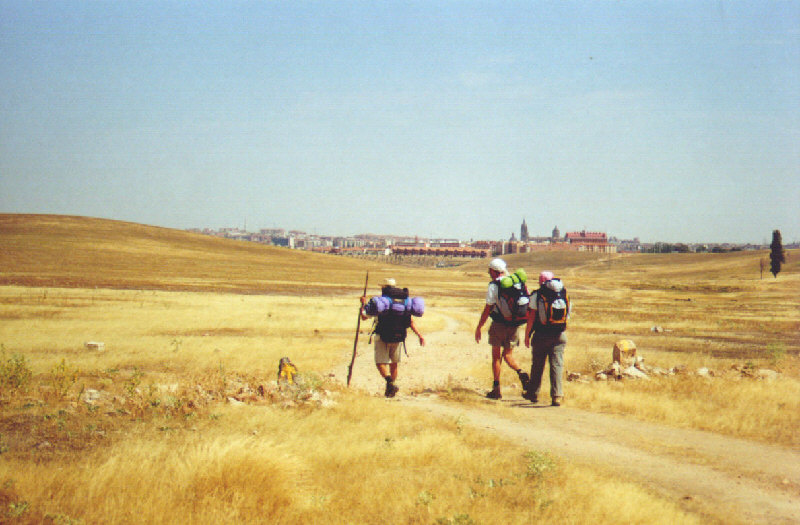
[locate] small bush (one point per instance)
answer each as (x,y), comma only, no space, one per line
(15,374)
(776,352)
(538,464)
(133,382)
(62,377)
(458,519)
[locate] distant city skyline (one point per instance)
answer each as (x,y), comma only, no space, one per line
(386,235)
(670,121)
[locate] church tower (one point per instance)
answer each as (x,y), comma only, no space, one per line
(556,233)
(523,232)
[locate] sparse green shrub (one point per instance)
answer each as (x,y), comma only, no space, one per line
(63,519)
(223,380)
(309,381)
(133,382)
(425,498)
(538,463)
(458,519)
(15,374)
(62,377)
(776,352)
(17,508)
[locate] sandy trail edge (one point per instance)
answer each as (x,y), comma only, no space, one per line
(725,478)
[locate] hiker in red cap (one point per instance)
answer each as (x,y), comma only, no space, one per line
(502,331)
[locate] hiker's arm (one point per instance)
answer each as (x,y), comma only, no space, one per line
(364,315)
(529,327)
(484,316)
(414,329)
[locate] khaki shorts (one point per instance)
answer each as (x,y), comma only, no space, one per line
(503,334)
(386,353)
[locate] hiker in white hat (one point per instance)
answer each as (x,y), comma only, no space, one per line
(502,332)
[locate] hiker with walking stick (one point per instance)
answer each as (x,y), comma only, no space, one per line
(394,311)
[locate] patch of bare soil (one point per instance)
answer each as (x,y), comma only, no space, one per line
(723,478)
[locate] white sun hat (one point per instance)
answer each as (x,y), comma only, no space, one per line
(498,265)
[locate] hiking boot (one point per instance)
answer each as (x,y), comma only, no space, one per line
(557,401)
(391,390)
(495,393)
(530,396)
(524,379)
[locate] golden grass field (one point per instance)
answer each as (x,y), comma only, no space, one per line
(191,322)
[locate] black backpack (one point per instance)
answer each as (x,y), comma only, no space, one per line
(552,306)
(512,300)
(393,328)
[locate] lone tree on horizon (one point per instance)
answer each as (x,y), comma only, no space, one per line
(776,255)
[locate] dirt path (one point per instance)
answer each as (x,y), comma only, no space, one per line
(725,478)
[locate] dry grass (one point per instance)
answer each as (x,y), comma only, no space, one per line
(266,465)
(178,332)
(187,320)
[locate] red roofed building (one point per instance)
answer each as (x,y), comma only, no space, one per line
(590,241)
(586,237)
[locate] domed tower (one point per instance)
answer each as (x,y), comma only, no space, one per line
(523,232)
(556,233)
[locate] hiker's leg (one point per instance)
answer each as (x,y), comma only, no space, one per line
(394,358)
(497,360)
(538,358)
(382,356)
(509,358)
(496,341)
(557,365)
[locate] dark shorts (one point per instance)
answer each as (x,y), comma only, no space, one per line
(503,334)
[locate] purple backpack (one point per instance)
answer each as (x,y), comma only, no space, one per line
(417,306)
(378,305)
(399,306)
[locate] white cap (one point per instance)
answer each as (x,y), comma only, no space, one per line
(389,282)
(498,265)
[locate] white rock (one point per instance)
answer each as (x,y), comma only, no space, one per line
(90,395)
(634,373)
(764,373)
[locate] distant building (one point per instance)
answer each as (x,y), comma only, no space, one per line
(441,251)
(590,241)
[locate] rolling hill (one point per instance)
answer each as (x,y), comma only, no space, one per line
(82,252)
(67,251)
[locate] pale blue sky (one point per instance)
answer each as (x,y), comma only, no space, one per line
(670,121)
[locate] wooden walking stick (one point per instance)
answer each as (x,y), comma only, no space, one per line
(355,343)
